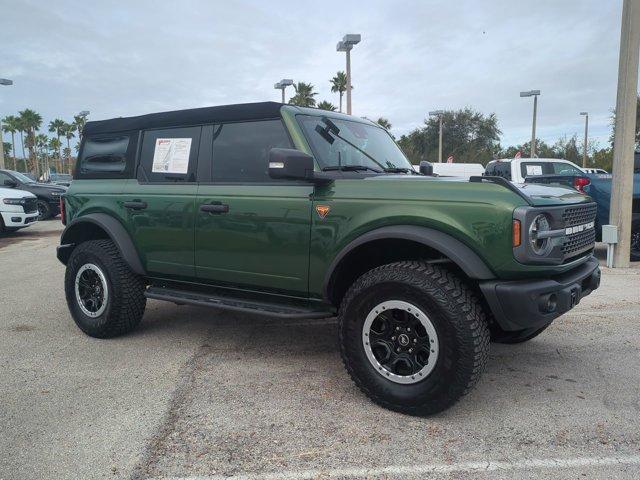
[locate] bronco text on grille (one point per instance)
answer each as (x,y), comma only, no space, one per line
(580,227)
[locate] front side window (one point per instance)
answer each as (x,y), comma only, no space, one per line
(104,155)
(352,144)
(241,150)
(560,168)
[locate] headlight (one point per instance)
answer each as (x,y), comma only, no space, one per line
(13,201)
(56,194)
(540,243)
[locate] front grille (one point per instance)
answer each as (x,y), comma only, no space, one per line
(579,242)
(30,205)
(573,216)
(583,241)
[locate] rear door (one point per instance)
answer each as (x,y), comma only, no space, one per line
(252,232)
(159,204)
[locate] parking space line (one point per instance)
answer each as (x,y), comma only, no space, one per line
(464,467)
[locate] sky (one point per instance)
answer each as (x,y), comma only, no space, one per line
(129,58)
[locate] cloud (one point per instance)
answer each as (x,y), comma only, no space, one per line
(119,59)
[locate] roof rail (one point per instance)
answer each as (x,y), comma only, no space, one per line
(501,181)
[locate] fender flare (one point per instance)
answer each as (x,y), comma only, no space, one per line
(112,227)
(459,253)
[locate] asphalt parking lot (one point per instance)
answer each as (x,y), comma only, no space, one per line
(205,394)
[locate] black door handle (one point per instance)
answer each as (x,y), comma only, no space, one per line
(216,208)
(135,205)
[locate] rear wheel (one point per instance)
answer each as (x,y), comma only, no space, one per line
(105,297)
(413,337)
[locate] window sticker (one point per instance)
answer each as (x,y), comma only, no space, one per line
(171,155)
(534,169)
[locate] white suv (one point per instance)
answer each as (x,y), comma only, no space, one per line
(18,209)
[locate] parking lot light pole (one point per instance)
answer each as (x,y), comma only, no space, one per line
(282,85)
(438,113)
(534,94)
(7,82)
(345,45)
(586,138)
(624,133)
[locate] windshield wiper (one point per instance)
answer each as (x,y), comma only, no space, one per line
(350,168)
(401,170)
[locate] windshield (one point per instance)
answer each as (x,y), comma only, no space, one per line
(60,176)
(355,144)
(22,178)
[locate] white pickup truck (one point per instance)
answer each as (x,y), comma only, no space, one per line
(517,169)
(18,209)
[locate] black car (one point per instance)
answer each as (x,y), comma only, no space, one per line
(48,194)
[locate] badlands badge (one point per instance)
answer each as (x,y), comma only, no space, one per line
(323,210)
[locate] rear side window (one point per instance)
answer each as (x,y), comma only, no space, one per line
(105,156)
(169,155)
(499,169)
(241,150)
(532,169)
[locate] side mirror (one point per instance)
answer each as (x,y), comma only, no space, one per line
(426,168)
(10,183)
(287,163)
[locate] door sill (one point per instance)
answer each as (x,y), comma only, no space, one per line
(223,300)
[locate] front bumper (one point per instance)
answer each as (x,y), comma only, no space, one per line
(521,304)
(18,220)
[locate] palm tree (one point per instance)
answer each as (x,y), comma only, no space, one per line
(31,122)
(10,125)
(41,143)
(384,123)
(56,126)
(79,121)
(68,131)
(339,85)
(55,145)
(324,105)
(304,95)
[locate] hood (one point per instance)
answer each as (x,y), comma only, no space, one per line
(46,187)
(537,194)
(551,194)
(14,193)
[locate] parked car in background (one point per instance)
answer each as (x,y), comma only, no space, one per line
(517,169)
(48,195)
(18,209)
(63,179)
(462,170)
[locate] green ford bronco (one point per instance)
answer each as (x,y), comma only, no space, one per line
(302,213)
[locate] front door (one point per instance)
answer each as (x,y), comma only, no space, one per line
(252,232)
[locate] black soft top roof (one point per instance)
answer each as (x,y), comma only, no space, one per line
(193,116)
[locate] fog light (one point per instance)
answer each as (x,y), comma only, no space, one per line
(548,303)
(15,219)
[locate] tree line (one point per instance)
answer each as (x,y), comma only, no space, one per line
(41,153)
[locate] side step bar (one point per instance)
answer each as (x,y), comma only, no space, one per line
(234,303)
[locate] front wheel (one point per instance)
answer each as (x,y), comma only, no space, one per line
(44,210)
(105,297)
(413,337)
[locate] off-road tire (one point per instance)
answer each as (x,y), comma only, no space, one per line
(126,301)
(459,322)
(44,210)
(518,336)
